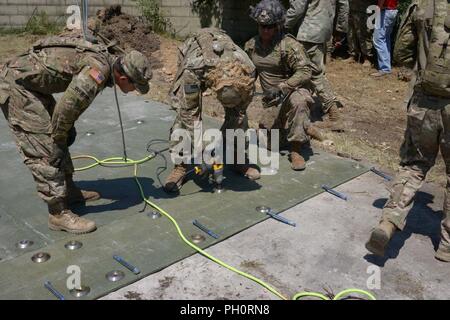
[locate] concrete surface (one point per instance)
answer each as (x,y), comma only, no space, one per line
(325,252)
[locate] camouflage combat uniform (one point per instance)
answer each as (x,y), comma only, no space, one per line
(423,40)
(284,62)
(359,35)
(315,22)
(199,57)
(77,68)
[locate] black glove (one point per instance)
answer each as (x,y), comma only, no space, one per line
(272,98)
(57,156)
(72,135)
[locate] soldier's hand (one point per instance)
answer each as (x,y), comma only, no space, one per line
(285,88)
(57,156)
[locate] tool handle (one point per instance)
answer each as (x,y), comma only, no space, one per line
(381,174)
(204,229)
(334,192)
(282,219)
(127,265)
(55,292)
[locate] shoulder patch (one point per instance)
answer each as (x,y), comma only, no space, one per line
(97,76)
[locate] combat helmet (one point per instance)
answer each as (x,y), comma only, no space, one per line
(268,12)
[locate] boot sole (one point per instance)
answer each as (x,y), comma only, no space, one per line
(298,169)
(442,256)
(377,242)
(57,228)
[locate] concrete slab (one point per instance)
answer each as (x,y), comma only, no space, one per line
(325,251)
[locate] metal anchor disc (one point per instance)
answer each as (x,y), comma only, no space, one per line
(73,245)
(40,257)
(154,215)
(23,244)
(115,275)
(263,209)
(80,292)
(198,238)
(140,121)
(91,133)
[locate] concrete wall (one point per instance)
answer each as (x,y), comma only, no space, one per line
(15,13)
(231,15)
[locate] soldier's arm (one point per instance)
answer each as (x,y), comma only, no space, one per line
(299,63)
(342,16)
(405,50)
(249,48)
(78,96)
(296,11)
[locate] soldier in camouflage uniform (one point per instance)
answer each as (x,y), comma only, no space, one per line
(210,59)
(422,42)
(44,128)
(315,19)
(360,41)
(282,66)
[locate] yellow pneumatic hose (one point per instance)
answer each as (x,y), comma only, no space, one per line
(117,161)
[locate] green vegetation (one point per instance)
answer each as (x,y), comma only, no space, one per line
(38,24)
(151,12)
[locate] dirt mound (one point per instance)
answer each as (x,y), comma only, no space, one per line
(130,32)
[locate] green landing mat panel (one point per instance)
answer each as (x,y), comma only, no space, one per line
(125,225)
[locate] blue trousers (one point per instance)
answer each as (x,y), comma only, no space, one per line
(382,39)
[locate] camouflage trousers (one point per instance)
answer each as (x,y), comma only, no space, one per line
(427,132)
(316,53)
(292,119)
(359,36)
(187,101)
(36,148)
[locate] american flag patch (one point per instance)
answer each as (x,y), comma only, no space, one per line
(97,76)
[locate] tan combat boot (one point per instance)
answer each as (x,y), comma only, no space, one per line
(62,219)
(443,254)
(76,195)
(176,178)
(380,237)
(298,163)
(333,113)
(247,171)
(315,133)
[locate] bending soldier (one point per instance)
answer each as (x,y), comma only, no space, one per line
(44,129)
(210,59)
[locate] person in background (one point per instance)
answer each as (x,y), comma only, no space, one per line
(382,36)
(360,45)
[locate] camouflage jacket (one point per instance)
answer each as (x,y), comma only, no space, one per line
(204,51)
(422,44)
(286,61)
(53,65)
(314,18)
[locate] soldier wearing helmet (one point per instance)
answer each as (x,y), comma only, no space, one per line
(44,128)
(211,60)
(284,69)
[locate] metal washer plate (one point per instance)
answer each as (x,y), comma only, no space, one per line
(73,245)
(115,275)
(198,238)
(79,293)
(40,257)
(263,209)
(23,244)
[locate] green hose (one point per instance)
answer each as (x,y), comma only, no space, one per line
(115,161)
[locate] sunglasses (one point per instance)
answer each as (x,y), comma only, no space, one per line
(269,27)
